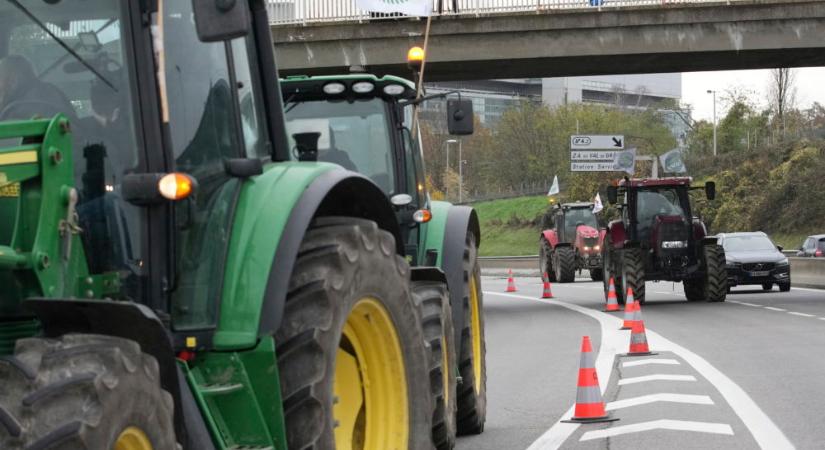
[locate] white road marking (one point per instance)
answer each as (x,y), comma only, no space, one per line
(750,304)
(776,309)
(764,431)
(653,398)
(644,362)
(656,377)
(800,314)
(664,424)
(807,289)
(821,318)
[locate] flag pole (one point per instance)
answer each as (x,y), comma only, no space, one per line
(420,90)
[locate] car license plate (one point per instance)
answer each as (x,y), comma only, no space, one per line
(761,273)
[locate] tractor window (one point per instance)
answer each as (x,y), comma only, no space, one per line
(575,217)
(56,57)
(354,135)
(658,202)
(252,120)
(204,130)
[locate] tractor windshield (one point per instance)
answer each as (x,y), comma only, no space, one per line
(61,57)
(354,135)
(578,216)
(656,202)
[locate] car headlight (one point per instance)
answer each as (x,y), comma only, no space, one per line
(731,263)
(674,244)
(782,263)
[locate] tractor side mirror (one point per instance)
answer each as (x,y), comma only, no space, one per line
(710,190)
(612,194)
(221,20)
(460,117)
(306,145)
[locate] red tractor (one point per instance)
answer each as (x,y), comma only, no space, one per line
(658,238)
(573,243)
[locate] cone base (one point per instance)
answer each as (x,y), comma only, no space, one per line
(605,418)
(626,328)
(639,354)
(546,296)
(510,290)
(611,310)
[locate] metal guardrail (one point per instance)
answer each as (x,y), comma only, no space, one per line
(306,12)
(805,272)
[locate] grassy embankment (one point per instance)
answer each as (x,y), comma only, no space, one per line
(510,227)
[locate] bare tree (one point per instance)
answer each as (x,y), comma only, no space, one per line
(782,93)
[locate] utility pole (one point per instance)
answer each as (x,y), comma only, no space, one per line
(710,91)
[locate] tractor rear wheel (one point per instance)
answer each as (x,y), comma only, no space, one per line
(84,392)
(695,290)
(546,260)
(633,274)
(433,303)
(716,275)
(351,351)
(596,274)
(564,261)
(472,364)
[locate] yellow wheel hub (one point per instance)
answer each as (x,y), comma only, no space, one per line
(370,382)
(475,331)
(133,438)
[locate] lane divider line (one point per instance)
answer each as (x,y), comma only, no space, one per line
(776,309)
(821,318)
(653,398)
(663,424)
(644,362)
(656,377)
(750,304)
(764,431)
(800,314)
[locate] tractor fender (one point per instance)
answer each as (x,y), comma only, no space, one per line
(709,240)
(699,229)
(551,237)
(428,274)
(457,222)
(617,233)
(273,212)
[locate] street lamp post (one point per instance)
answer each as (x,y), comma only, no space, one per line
(710,91)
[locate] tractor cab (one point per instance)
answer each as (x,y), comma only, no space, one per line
(572,219)
(658,213)
(365,124)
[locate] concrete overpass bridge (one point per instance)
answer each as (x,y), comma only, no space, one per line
(489,39)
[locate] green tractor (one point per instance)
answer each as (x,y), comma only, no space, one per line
(171,276)
(365,124)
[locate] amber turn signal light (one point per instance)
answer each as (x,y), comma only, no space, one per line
(176,186)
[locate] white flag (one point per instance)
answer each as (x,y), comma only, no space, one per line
(597,204)
(408,7)
(554,189)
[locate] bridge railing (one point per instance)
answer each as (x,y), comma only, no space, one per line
(305,12)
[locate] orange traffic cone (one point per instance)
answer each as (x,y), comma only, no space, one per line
(589,402)
(612,302)
(547,292)
(638,338)
(630,306)
(511,285)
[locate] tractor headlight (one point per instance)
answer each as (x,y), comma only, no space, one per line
(674,244)
(393,89)
(597,248)
(363,87)
(334,88)
(586,248)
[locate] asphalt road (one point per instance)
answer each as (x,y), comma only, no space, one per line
(747,373)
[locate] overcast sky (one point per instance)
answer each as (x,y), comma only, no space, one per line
(810,83)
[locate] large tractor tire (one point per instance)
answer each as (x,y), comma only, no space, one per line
(546,260)
(713,286)
(83,392)
(633,274)
(564,261)
(596,274)
(472,364)
(433,303)
(349,317)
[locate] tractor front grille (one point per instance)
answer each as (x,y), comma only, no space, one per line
(11,331)
(756,267)
(591,242)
